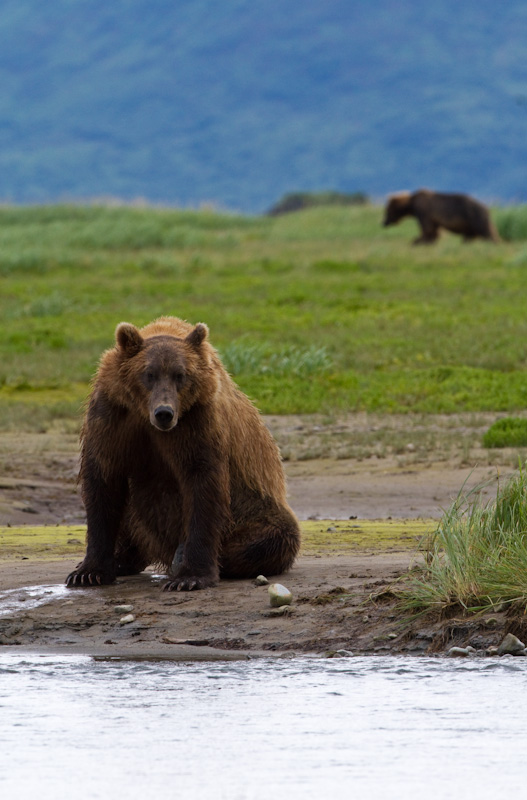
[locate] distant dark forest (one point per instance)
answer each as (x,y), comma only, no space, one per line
(239,103)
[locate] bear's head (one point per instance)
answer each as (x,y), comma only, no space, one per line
(397,207)
(162,375)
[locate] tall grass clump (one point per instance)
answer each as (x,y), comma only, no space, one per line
(507,432)
(512,223)
(477,557)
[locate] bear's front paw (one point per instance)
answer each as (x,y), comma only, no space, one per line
(82,576)
(188,583)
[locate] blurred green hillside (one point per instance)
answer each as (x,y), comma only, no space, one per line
(237,103)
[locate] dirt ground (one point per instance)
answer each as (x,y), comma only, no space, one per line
(357,467)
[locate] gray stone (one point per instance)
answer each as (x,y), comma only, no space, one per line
(124,609)
(261,580)
(279,595)
(511,645)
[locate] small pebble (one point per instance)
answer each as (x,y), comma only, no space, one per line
(339,654)
(261,580)
(125,609)
(127,619)
(279,595)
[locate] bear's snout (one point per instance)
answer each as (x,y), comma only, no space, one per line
(164,418)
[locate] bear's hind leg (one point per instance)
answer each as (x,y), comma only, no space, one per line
(261,547)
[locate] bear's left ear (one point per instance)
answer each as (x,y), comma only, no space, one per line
(128,338)
(198,335)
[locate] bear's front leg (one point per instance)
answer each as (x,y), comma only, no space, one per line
(104,501)
(207,506)
(195,565)
(90,574)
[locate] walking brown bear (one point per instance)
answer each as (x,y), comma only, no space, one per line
(177,467)
(457,213)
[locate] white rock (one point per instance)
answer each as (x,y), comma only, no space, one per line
(279,595)
(458,652)
(261,580)
(127,619)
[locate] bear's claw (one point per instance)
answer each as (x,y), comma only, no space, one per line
(75,579)
(188,584)
(183,585)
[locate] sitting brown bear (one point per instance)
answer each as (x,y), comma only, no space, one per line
(177,467)
(457,213)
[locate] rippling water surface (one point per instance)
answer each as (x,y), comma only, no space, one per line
(377,727)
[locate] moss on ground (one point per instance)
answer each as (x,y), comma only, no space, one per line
(324,537)
(331,537)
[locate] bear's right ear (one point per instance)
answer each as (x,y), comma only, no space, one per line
(128,338)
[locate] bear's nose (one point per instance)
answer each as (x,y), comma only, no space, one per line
(164,416)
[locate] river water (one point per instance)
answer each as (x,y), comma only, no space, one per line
(295,729)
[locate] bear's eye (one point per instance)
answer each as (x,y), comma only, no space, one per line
(178,378)
(149,378)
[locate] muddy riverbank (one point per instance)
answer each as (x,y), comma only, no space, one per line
(361,471)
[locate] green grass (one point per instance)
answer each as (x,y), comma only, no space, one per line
(321,310)
(477,557)
(512,222)
(507,432)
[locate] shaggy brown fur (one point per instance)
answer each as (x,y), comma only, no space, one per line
(457,213)
(177,467)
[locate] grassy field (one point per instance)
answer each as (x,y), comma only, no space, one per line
(322,310)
